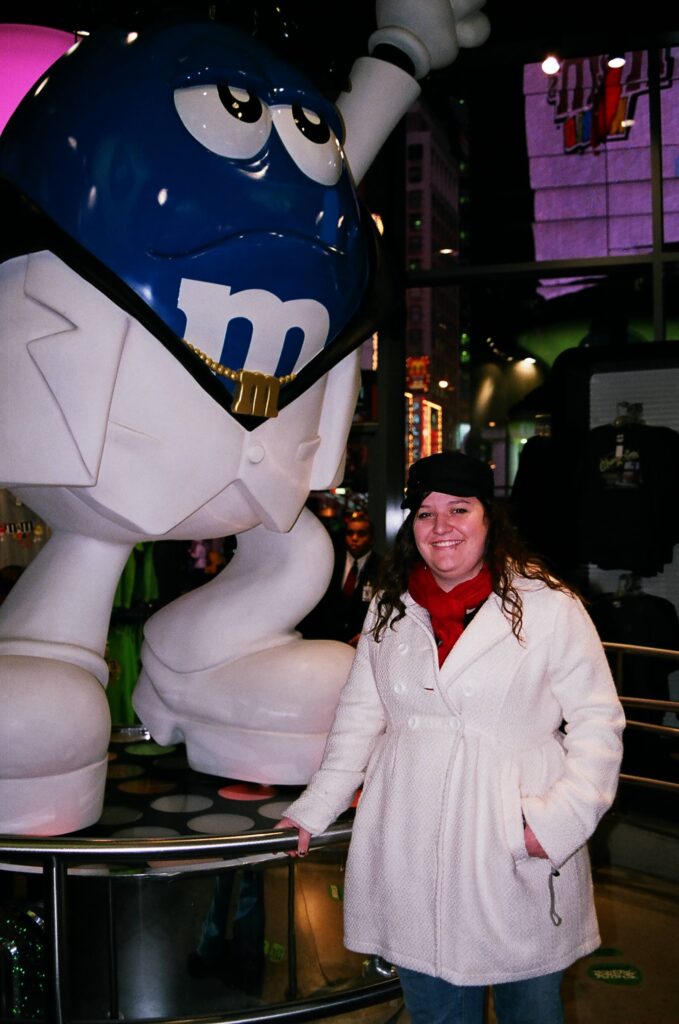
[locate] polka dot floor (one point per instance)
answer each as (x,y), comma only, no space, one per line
(153,793)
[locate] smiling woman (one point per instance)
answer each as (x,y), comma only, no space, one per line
(450,534)
(476,805)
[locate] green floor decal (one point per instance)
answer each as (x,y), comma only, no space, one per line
(615,974)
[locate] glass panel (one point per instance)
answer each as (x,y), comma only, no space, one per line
(486,361)
(24,945)
(669,106)
(432,223)
(516,336)
(671,284)
(434,349)
(539,167)
(588,137)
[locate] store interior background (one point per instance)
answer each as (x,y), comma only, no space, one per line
(500,331)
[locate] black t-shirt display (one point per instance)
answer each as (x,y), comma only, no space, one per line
(628,497)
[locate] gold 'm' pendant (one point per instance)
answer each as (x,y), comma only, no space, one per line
(257,394)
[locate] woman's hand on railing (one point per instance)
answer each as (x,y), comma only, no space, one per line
(303,840)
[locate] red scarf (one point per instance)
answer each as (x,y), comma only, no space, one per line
(448,608)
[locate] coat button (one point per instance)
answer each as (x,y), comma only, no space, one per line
(454,724)
(412,722)
(402,647)
(399,687)
(468,690)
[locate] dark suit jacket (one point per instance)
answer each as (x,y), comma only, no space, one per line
(335,617)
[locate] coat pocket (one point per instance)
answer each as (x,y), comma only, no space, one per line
(511,811)
(530,772)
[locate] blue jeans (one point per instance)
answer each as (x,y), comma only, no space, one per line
(435,1001)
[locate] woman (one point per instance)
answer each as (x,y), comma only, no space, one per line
(481,718)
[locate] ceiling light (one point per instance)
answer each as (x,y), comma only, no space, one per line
(616,60)
(551,65)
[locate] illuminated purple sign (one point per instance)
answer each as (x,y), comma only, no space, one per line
(588,140)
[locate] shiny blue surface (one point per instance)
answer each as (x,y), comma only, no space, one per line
(102,146)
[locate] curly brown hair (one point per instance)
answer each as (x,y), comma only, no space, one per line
(505,555)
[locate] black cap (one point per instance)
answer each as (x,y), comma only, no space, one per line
(450,473)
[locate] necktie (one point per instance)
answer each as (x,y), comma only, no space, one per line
(350,581)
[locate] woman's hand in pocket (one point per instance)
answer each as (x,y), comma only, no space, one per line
(532,843)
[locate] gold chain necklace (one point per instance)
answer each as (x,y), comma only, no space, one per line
(257,393)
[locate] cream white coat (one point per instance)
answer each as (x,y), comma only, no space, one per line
(438,877)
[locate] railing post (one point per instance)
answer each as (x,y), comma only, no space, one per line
(54,876)
(292,932)
(114,1007)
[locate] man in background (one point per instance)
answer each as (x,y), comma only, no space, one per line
(340,613)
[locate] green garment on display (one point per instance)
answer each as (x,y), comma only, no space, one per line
(123,655)
(136,590)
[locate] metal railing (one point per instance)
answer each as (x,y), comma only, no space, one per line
(58,854)
(651,704)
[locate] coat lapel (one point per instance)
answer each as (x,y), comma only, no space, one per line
(417,612)
(488,627)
